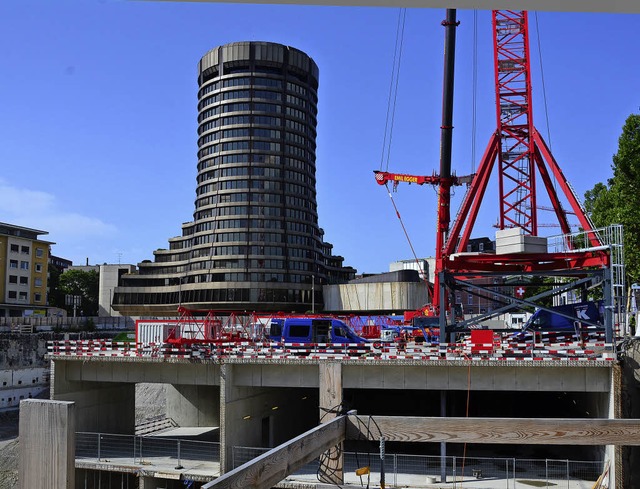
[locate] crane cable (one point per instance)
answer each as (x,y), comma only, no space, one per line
(388,129)
(404,229)
(544,89)
(473,170)
(393,88)
(544,94)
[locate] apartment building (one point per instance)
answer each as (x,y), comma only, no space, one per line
(24,267)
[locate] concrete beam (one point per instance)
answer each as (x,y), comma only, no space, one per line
(357,374)
(134,370)
(532,378)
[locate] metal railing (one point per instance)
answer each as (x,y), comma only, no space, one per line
(422,470)
(103,446)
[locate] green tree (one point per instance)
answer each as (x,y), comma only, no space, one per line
(84,284)
(55,297)
(618,201)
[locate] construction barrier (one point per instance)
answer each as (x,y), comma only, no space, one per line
(494,351)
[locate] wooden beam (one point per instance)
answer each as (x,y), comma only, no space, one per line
(521,431)
(268,469)
(332,467)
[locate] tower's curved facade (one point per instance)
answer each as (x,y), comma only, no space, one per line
(254,242)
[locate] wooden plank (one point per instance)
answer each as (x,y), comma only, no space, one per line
(521,431)
(273,466)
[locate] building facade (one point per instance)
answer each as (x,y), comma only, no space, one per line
(24,260)
(254,242)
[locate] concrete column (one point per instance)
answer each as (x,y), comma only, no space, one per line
(332,464)
(229,423)
(47,444)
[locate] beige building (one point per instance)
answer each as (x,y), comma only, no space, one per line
(24,270)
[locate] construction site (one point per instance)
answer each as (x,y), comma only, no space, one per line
(433,399)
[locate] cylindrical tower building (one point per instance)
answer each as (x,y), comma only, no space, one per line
(254,242)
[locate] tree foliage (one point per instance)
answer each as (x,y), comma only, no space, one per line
(618,201)
(55,297)
(84,284)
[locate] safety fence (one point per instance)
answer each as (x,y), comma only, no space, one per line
(498,351)
(140,449)
(424,470)
(67,322)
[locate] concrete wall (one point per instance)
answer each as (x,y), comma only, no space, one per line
(100,406)
(194,405)
(24,383)
(630,408)
(23,350)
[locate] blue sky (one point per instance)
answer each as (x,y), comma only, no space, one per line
(98,115)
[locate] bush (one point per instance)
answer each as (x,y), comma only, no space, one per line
(89,324)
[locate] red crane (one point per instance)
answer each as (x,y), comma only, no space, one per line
(516,145)
(520,152)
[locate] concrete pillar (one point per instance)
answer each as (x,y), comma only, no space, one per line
(47,431)
(194,405)
(230,421)
(332,464)
(107,407)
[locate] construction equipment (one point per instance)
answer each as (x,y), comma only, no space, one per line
(521,154)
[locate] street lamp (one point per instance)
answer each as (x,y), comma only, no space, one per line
(313,294)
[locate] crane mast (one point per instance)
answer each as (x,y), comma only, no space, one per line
(516,155)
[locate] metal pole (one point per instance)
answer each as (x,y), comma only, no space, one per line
(443,445)
(313,294)
(546,472)
(382,483)
(608,306)
(446,133)
(179,466)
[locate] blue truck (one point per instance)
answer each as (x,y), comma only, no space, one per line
(311,330)
(579,319)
